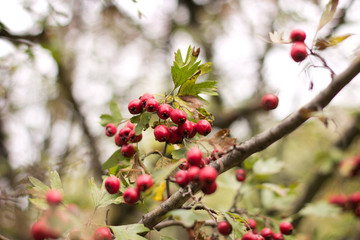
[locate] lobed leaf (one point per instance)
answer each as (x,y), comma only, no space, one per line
(113,160)
(39,186)
(115,111)
(106,119)
(129,232)
(143,122)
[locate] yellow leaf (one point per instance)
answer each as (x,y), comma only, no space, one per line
(328,13)
(159,192)
(322,44)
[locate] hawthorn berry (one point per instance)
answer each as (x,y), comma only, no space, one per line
(193,173)
(251,224)
(203,127)
(193,132)
(164,111)
(54,197)
(338,199)
(209,188)
(119,140)
(194,156)
(297,35)
(240,175)
(184,165)
(124,133)
(135,106)
(131,195)
(215,154)
(152,105)
(207,175)
(178,116)
(102,233)
(135,138)
(110,129)
(181,178)
(206,160)
(40,230)
(354,200)
(278,236)
(127,150)
(248,236)
(298,52)
(269,101)
(161,133)
(145,97)
(224,228)
(286,228)
(144,182)
(267,233)
(112,184)
(175,137)
(186,128)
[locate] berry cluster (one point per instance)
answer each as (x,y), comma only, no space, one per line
(132,194)
(347,203)
(193,169)
(269,101)
(298,50)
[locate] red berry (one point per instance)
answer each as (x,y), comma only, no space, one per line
(151,105)
(339,200)
(215,154)
(240,175)
(130,125)
(193,132)
(193,173)
(297,35)
(194,156)
(354,199)
(39,230)
(269,101)
(144,182)
(248,236)
(110,129)
(175,136)
(178,116)
(128,150)
(206,160)
(357,211)
(164,111)
(251,224)
(203,127)
(124,133)
(186,128)
(278,236)
(181,178)
(286,228)
(135,106)
(102,233)
(161,133)
(298,52)
(209,188)
(208,175)
(224,228)
(131,195)
(112,184)
(54,197)
(145,97)
(267,233)
(119,140)
(134,138)
(184,165)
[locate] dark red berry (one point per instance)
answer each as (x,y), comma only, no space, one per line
(54,197)
(127,150)
(175,137)
(208,175)
(112,184)
(193,173)
(164,111)
(186,128)
(278,236)
(144,182)
(181,178)
(193,132)
(267,233)
(357,211)
(194,156)
(184,165)
(130,125)
(354,200)
(240,175)
(131,195)
(110,129)
(178,116)
(298,52)
(286,228)
(145,97)
(248,236)
(206,160)
(224,228)
(40,230)
(161,133)
(151,105)
(119,140)
(102,233)
(124,133)
(297,35)
(203,127)
(209,188)
(216,153)
(134,138)
(338,199)
(269,101)
(135,106)
(251,224)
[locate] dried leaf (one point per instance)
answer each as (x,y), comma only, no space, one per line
(328,13)
(276,37)
(222,140)
(194,101)
(322,44)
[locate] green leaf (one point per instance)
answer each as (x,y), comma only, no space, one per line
(135,119)
(38,185)
(194,89)
(267,167)
(39,203)
(115,111)
(328,13)
(129,232)
(280,190)
(94,191)
(143,123)
(106,119)
(205,68)
(160,174)
(179,153)
(188,217)
(322,44)
(237,223)
(113,160)
(55,181)
(320,209)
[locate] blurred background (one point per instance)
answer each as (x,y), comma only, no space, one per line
(62,62)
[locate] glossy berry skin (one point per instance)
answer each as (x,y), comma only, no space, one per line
(161,133)
(135,106)
(269,101)
(297,35)
(194,156)
(248,236)
(298,52)
(102,233)
(181,178)
(207,175)
(203,127)
(112,184)
(267,233)
(134,138)
(186,129)
(145,97)
(240,175)
(278,236)
(184,165)
(193,132)
(124,133)
(209,188)
(119,140)
(251,224)
(151,105)
(286,228)
(110,129)
(193,173)
(164,111)
(224,228)
(144,182)
(131,195)
(339,200)
(128,150)
(178,116)
(54,197)
(175,136)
